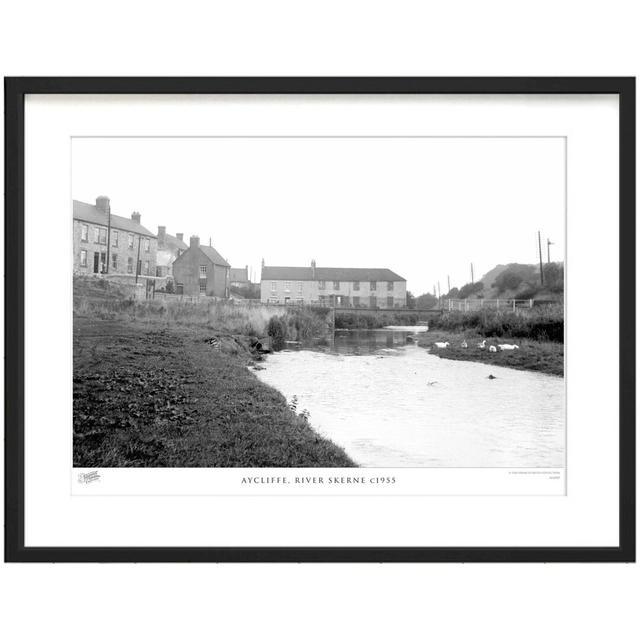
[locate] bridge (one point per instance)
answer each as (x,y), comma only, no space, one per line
(354,311)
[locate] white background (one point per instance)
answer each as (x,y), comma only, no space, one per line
(329,38)
(586,516)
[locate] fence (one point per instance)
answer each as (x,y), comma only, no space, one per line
(473,304)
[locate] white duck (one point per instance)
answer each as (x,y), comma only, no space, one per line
(492,349)
(508,347)
(464,344)
(481,345)
(441,345)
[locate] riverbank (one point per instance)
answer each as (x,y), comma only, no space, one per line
(158,394)
(532,355)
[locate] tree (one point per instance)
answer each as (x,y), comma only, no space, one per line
(426,301)
(411,300)
(471,288)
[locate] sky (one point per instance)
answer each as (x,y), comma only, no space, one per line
(426,208)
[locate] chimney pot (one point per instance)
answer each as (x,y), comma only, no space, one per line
(135,216)
(194,241)
(180,236)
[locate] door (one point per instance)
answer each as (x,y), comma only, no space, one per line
(96,262)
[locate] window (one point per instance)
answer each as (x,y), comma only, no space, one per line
(389,301)
(114,260)
(287,286)
(114,238)
(356,301)
(323,299)
(84,232)
(99,235)
(372,286)
(322,284)
(147,245)
(372,302)
(389,286)
(299,287)
(146,267)
(129,265)
(203,287)
(356,286)
(83,258)
(130,240)
(336,284)
(274,286)
(203,270)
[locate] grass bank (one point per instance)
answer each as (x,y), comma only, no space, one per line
(99,299)
(538,324)
(532,355)
(164,397)
(364,320)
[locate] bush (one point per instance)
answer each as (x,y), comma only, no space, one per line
(277,331)
(540,323)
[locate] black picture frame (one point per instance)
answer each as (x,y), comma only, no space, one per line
(15,91)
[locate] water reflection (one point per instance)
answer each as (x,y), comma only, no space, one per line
(359,342)
(396,405)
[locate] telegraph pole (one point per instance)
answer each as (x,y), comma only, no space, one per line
(549,243)
(108,236)
(540,254)
(472,273)
(448,285)
(138,259)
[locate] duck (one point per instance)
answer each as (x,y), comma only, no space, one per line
(481,345)
(441,345)
(492,349)
(464,344)
(508,347)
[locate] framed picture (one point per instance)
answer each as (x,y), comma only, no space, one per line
(320,319)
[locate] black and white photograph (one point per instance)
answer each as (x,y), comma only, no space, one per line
(319,301)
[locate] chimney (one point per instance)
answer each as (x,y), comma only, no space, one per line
(135,216)
(194,242)
(162,232)
(313,269)
(102,204)
(180,236)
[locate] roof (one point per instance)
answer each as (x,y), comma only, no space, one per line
(239,274)
(330,273)
(171,242)
(90,213)
(213,255)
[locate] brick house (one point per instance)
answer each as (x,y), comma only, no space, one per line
(169,248)
(340,287)
(201,270)
(99,235)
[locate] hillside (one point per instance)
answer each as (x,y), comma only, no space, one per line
(517,280)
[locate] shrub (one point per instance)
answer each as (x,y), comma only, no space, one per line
(539,323)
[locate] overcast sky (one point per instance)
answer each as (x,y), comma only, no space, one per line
(423,207)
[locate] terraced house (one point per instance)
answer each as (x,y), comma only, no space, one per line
(107,243)
(333,286)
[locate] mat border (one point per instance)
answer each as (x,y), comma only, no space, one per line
(15,91)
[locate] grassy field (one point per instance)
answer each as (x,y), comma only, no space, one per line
(533,355)
(165,397)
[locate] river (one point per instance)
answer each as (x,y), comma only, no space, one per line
(390,403)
